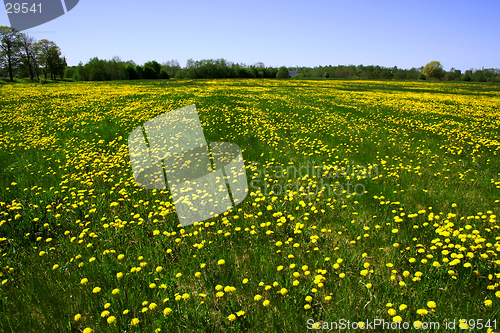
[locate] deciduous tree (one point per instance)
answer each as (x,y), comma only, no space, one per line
(434,69)
(28,53)
(10,46)
(283,73)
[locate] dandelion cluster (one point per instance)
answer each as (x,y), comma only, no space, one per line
(79,240)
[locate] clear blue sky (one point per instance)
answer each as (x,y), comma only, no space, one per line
(403,33)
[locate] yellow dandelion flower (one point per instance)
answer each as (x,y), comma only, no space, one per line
(422,311)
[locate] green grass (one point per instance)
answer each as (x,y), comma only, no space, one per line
(432,148)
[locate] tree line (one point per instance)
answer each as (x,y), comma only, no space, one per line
(23,56)
(431,71)
(115,69)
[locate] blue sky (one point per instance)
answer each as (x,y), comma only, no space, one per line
(403,33)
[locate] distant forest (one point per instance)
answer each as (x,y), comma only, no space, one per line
(115,69)
(24,57)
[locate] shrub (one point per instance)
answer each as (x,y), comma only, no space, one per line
(422,76)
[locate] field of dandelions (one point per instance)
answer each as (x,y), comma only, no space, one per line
(366,200)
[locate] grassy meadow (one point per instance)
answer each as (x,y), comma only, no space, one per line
(367,199)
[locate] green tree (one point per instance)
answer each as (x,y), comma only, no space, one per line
(479,76)
(386,74)
(163,75)
(149,73)
(155,69)
(434,69)
(172,67)
(28,53)
(422,76)
(401,74)
(49,52)
(97,69)
(60,67)
(271,72)
(132,74)
(283,73)
(69,71)
(10,46)
(139,71)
